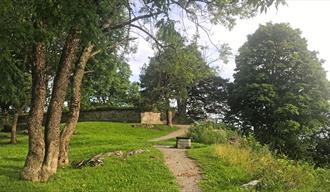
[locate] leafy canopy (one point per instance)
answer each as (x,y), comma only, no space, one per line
(171,72)
(280,92)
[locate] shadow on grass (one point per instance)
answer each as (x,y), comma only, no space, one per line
(10,171)
(18,159)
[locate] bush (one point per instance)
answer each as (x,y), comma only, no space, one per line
(321,153)
(211,133)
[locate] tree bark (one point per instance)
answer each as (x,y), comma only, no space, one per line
(14,125)
(71,123)
(54,113)
(169,117)
(34,159)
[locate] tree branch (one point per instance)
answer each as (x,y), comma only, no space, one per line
(112,46)
(124,23)
(150,35)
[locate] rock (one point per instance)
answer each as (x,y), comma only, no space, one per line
(251,184)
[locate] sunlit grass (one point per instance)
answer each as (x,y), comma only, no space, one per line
(244,157)
(142,172)
(228,167)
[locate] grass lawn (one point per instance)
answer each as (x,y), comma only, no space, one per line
(142,172)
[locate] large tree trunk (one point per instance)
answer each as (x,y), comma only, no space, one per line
(169,117)
(74,105)
(54,113)
(35,156)
(14,125)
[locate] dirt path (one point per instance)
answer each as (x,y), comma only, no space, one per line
(182,130)
(185,170)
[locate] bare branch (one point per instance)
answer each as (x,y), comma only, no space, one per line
(124,23)
(149,34)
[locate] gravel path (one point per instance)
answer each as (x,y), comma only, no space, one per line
(185,170)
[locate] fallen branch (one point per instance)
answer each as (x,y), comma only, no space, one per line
(98,159)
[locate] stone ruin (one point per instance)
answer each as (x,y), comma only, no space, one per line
(150,118)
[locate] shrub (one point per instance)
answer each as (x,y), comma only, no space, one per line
(211,133)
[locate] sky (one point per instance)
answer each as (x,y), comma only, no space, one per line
(310,16)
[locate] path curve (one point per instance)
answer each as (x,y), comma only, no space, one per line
(185,170)
(182,130)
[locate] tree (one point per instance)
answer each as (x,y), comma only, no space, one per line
(280,92)
(15,81)
(208,96)
(107,84)
(74,24)
(65,18)
(20,101)
(171,73)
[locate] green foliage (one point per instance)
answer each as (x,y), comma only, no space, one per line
(170,74)
(210,133)
(207,96)
(217,11)
(108,83)
(321,152)
(280,92)
(15,47)
(104,23)
(143,172)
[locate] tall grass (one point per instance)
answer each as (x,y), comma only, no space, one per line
(235,160)
(279,174)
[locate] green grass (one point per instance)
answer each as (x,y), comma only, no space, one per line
(142,172)
(216,175)
(227,167)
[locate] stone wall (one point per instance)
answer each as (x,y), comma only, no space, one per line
(115,115)
(150,118)
(129,116)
